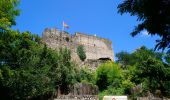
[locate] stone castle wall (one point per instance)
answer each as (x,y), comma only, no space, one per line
(95,47)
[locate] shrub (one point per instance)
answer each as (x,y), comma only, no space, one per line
(81,52)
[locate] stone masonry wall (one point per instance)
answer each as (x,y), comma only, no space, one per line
(95,47)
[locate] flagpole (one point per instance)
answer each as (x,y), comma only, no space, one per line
(63,27)
(62,31)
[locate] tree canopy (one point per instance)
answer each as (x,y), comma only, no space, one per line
(30,70)
(147,67)
(154,16)
(8,12)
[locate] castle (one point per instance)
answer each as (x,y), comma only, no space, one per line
(96,48)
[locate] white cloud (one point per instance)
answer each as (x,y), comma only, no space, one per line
(145,34)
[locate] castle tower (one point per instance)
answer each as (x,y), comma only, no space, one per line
(96,48)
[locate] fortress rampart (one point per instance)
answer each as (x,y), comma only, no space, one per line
(96,48)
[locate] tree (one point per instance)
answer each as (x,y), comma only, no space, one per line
(140,54)
(31,70)
(154,17)
(67,69)
(8,12)
(154,70)
(124,58)
(81,52)
(108,74)
(167,58)
(24,75)
(150,68)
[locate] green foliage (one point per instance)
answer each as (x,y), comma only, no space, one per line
(154,17)
(23,76)
(112,80)
(87,75)
(81,52)
(111,91)
(30,70)
(124,58)
(8,12)
(167,58)
(108,74)
(147,67)
(25,83)
(127,85)
(102,72)
(137,56)
(154,70)
(101,95)
(67,69)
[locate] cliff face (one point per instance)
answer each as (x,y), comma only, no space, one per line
(95,47)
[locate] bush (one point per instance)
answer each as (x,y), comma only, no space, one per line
(108,74)
(87,75)
(81,52)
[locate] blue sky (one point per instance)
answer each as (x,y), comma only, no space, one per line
(98,17)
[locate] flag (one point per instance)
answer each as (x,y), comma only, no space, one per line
(65,25)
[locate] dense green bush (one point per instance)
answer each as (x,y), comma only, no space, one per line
(112,80)
(87,75)
(108,74)
(81,52)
